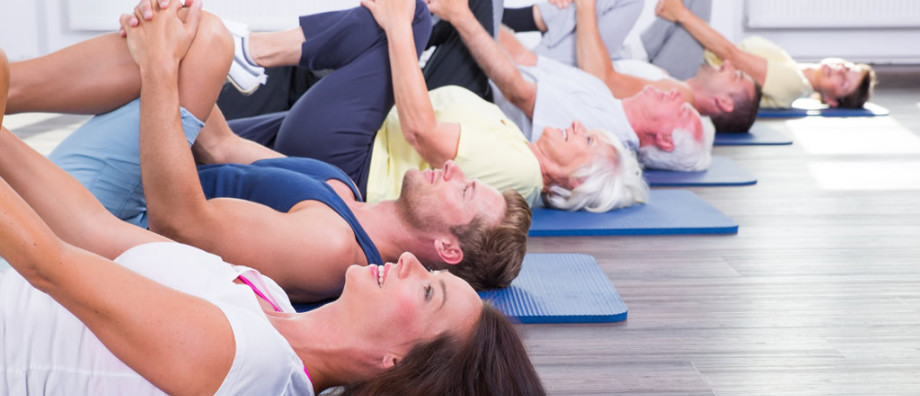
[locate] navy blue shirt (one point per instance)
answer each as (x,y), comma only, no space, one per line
(281,183)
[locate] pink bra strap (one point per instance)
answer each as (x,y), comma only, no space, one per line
(260,294)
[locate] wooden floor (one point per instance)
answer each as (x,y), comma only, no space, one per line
(818,293)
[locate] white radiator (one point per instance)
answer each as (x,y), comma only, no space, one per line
(102,15)
(832,14)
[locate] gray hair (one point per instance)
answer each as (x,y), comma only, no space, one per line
(688,154)
(606,185)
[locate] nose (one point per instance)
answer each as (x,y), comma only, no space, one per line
(409,265)
(451,171)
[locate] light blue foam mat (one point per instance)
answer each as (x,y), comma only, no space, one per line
(559,288)
(723,171)
(812,107)
(668,212)
(760,134)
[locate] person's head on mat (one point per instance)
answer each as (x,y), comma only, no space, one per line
(484,231)
(672,135)
(841,83)
(588,169)
(730,97)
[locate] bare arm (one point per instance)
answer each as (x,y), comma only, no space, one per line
(79,219)
(674,10)
(593,57)
(435,141)
(176,341)
(490,57)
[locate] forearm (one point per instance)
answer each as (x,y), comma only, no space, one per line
(26,242)
(170,178)
(71,211)
(706,35)
(590,52)
(494,62)
(416,115)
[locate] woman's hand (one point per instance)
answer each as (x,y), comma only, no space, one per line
(162,38)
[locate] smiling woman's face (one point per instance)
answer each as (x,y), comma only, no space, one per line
(568,149)
(405,304)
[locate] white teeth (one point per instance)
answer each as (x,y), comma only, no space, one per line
(380,271)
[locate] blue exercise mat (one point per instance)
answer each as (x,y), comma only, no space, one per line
(559,288)
(760,134)
(812,107)
(668,212)
(722,172)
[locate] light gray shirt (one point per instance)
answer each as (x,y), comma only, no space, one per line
(566,94)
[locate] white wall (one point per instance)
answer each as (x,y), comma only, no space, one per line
(30,28)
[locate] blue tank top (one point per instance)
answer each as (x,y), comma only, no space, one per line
(280,183)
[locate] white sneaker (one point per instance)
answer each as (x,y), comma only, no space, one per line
(244,74)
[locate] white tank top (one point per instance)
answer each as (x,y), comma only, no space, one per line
(48,351)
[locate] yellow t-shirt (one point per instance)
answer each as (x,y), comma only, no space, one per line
(491,148)
(784,82)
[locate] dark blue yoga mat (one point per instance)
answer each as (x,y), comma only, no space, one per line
(668,212)
(760,134)
(723,171)
(811,107)
(559,288)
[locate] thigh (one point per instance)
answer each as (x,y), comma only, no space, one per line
(104,156)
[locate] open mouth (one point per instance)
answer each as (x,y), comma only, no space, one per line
(380,273)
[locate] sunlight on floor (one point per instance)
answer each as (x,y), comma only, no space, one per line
(859,135)
(861,175)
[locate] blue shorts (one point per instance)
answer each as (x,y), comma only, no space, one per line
(104,155)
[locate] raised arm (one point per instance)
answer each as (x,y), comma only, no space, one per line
(490,57)
(592,56)
(674,10)
(175,341)
(435,141)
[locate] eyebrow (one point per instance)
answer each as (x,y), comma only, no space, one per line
(443,293)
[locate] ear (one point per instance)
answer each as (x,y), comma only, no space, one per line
(390,360)
(449,250)
(664,141)
(725,103)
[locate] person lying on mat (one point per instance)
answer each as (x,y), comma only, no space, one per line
(538,92)
(728,96)
(376,145)
(291,206)
(839,83)
(95,306)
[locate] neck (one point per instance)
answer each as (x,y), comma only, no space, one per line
(390,232)
(639,122)
(810,70)
(541,159)
(331,355)
(695,94)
